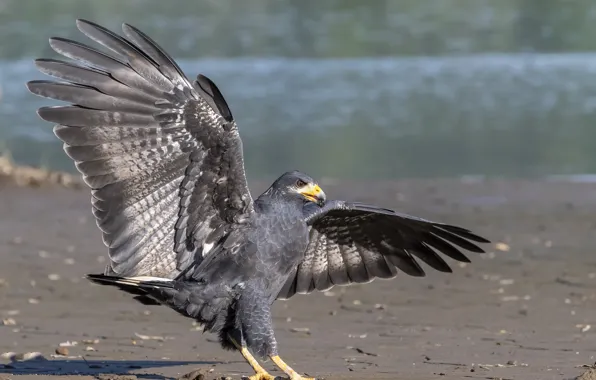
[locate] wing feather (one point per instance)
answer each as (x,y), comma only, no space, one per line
(337,270)
(162,155)
(356,243)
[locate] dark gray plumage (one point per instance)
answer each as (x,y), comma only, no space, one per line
(163,158)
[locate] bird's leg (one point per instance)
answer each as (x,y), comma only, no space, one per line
(288,370)
(253,313)
(261,373)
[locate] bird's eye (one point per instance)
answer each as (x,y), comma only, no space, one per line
(300,183)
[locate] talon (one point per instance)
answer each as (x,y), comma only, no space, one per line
(260,376)
(288,370)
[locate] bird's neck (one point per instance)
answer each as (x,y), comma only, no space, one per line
(268,202)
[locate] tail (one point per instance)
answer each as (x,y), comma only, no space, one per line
(144,288)
(210,305)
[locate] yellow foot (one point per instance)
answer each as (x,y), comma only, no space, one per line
(266,376)
(261,376)
(288,370)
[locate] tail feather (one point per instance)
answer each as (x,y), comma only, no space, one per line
(141,287)
(141,282)
(209,305)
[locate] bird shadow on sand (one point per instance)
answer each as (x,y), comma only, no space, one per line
(83,367)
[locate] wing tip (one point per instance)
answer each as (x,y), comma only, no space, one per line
(48,113)
(210,89)
(128,27)
(101,278)
(43,112)
(80,22)
(31,86)
(463,232)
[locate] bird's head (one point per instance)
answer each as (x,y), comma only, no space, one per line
(297,184)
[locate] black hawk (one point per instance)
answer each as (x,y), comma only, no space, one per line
(163,158)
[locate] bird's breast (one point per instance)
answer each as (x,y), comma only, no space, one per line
(282,243)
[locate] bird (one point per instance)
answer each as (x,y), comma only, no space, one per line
(164,161)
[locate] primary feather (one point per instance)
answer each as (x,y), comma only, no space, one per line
(356,243)
(163,156)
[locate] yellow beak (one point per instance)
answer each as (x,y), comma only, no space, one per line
(313,193)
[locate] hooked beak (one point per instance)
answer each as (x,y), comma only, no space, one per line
(313,193)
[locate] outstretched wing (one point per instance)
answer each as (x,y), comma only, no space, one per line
(163,156)
(356,243)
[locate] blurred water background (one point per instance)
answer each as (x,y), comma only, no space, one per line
(351,89)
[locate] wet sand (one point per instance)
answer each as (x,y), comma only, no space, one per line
(526,310)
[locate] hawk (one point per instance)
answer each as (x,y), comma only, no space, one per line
(163,158)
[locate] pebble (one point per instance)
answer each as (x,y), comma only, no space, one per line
(69,261)
(304,330)
(194,375)
(30,356)
(13,356)
(584,328)
(53,277)
(62,351)
(119,377)
(503,247)
(33,301)
(8,355)
(8,322)
(150,337)
(69,343)
(590,374)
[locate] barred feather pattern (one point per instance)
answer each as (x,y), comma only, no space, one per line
(357,243)
(162,155)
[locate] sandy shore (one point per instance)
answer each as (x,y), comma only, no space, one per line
(526,310)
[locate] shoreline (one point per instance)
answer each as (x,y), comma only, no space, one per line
(29,176)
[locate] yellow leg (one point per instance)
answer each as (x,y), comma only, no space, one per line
(260,374)
(288,370)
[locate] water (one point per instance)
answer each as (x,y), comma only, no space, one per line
(351,90)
